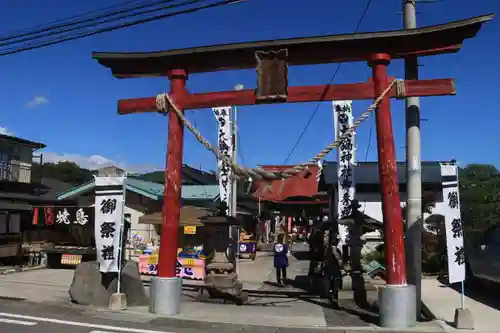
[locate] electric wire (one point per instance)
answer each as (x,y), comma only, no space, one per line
(57,23)
(367,6)
(90,22)
(116,27)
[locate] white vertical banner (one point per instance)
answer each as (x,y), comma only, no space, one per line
(453,223)
(346,152)
(109,215)
(225,145)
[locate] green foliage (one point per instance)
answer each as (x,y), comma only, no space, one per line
(155,177)
(479,196)
(67,172)
(71,173)
(376,254)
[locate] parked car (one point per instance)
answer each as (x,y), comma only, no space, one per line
(483,255)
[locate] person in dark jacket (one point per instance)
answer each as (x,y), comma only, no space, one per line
(281,260)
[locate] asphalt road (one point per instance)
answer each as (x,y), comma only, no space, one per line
(18,323)
(26,317)
(23,317)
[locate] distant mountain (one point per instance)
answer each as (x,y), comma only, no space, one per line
(71,173)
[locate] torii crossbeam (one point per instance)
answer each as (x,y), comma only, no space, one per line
(272,58)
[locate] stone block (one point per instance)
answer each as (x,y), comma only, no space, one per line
(463,319)
(118,302)
(131,285)
(86,287)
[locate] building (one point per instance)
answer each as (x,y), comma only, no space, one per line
(22,186)
(141,198)
(366,175)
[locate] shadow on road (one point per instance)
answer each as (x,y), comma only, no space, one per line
(481,291)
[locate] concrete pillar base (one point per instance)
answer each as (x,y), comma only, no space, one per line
(165,296)
(397,306)
(463,319)
(118,302)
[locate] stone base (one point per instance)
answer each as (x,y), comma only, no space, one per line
(463,319)
(91,287)
(118,302)
(346,282)
(86,288)
(397,306)
(165,296)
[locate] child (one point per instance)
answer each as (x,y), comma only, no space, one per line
(281,260)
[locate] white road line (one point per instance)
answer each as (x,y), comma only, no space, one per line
(80,324)
(17,322)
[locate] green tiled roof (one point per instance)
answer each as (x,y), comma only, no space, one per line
(151,190)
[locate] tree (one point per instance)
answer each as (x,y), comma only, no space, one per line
(67,172)
(479,196)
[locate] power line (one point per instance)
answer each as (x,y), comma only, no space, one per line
(116,27)
(368,3)
(54,30)
(47,25)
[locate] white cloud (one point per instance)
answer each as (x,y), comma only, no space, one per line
(36,101)
(5,131)
(93,162)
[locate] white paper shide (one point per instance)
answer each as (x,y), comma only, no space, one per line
(225,145)
(343,120)
(109,214)
(453,223)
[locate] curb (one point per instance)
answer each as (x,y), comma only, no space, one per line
(168,322)
(21,269)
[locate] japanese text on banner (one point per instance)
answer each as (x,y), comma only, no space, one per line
(453,223)
(225,145)
(109,205)
(346,157)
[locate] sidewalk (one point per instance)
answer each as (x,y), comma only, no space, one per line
(269,306)
(442,301)
(43,285)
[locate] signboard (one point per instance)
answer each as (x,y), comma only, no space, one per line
(69,216)
(190,230)
(109,207)
(453,223)
(186,268)
(225,146)
(343,120)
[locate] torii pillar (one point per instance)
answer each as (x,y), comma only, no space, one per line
(397,305)
(166,282)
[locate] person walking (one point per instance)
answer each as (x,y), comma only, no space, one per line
(281,252)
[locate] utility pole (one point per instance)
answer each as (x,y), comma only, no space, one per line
(413,169)
(234,192)
(234,195)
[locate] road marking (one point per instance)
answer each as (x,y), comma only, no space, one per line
(80,324)
(17,322)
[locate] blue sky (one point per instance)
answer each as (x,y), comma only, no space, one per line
(75,114)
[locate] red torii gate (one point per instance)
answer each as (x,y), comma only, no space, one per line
(377,48)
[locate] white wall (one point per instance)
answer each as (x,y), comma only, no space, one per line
(371,204)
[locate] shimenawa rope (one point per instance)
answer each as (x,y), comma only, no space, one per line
(163,101)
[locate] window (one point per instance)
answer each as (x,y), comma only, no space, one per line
(5,157)
(14,223)
(3,223)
